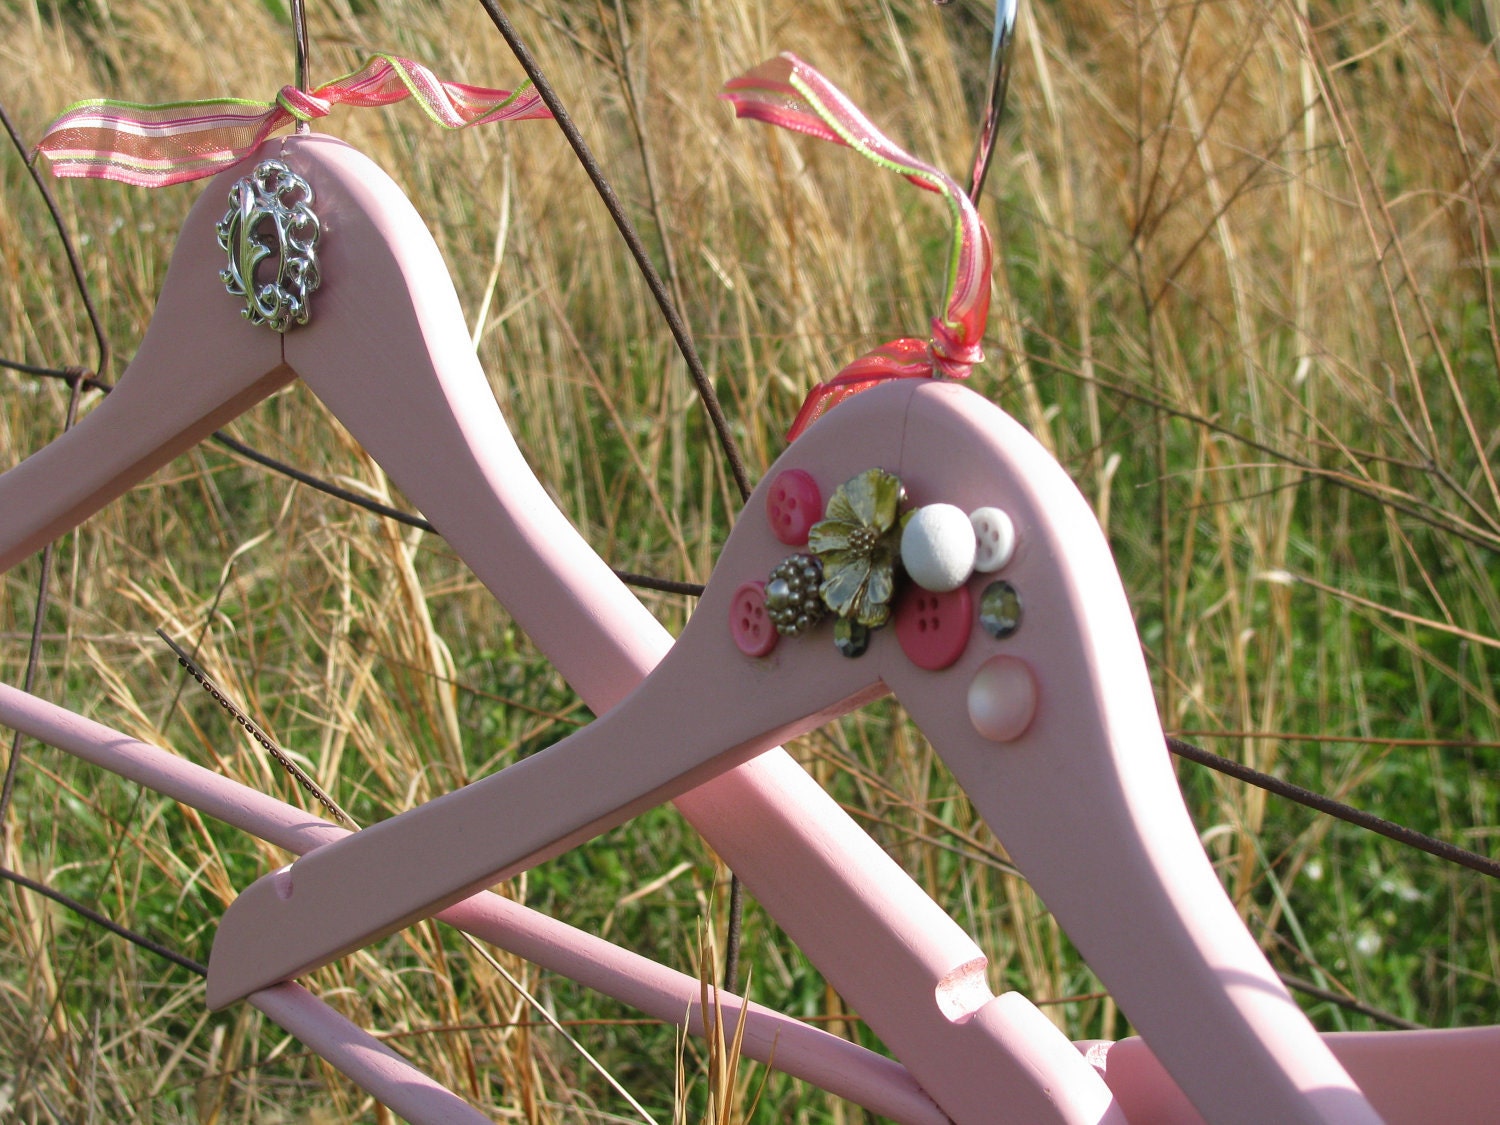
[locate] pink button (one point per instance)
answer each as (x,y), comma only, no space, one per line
(752,630)
(1002,699)
(793,505)
(934,628)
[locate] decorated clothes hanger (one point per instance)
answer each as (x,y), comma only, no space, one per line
(387,353)
(1049,728)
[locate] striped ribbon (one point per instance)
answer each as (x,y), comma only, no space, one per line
(156,145)
(785,91)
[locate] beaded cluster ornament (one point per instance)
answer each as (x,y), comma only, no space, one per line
(869,560)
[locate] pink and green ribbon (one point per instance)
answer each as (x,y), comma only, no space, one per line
(785,91)
(156,145)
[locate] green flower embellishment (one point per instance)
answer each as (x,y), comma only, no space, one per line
(858,542)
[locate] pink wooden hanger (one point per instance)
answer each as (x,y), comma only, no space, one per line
(387,352)
(1413,1078)
(1051,731)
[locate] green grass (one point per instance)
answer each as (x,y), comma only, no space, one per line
(1245,293)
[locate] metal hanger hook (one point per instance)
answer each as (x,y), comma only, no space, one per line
(996,85)
(299,37)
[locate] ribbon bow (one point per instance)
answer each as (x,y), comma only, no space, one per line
(152,146)
(785,91)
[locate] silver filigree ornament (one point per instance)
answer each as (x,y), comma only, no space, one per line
(271,223)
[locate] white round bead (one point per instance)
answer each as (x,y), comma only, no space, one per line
(995,535)
(937,547)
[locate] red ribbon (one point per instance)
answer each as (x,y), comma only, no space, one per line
(156,145)
(947,354)
(785,91)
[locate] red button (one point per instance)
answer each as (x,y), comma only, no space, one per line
(752,630)
(793,505)
(934,628)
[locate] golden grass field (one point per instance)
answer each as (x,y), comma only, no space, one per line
(1244,291)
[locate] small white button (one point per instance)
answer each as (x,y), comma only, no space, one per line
(937,547)
(995,537)
(1002,699)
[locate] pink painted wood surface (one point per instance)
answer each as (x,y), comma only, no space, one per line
(374,1067)
(387,350)
(843,1068)
(1448,1075)
(1085,800)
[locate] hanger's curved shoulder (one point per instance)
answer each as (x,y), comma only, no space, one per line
(1045,714)
(1010,641)
(385,311)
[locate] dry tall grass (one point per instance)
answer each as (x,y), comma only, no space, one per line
(1246,294)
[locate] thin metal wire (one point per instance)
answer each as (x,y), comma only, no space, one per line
(34,369)
(1307,988)
(80,280)
(299,62)
(109,924)
(75,377)
(680,333)
(630,578)
(34,652)
(996,86)
(675,324)
(1317,801)
(338,492)
(299,43)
